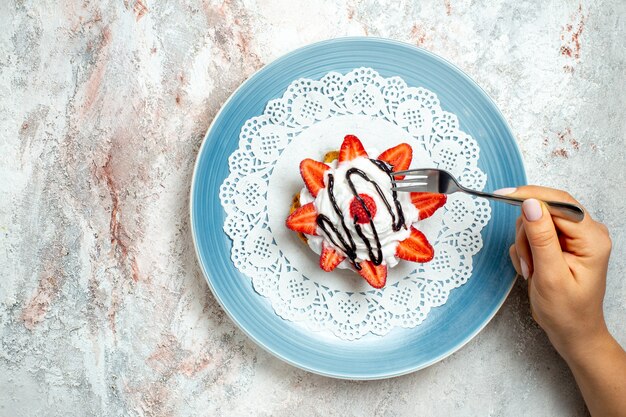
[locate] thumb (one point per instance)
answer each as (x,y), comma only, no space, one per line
(542,237)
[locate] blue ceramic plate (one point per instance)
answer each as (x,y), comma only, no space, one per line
(447,328)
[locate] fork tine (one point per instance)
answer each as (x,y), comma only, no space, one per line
(414,187)
(410,171)
(419,179)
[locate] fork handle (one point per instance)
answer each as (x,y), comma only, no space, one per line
(556,208)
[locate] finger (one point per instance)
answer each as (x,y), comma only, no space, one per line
(515,260)
(547,256)
(531,289)
(518,224)
(523,251)
(541,193)
(570,228)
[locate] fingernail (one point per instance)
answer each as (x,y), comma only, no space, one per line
(524,266)
(532,209)
(505,191)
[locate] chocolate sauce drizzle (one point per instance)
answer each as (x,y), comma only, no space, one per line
(346,243)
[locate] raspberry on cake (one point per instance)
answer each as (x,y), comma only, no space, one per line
(350,216)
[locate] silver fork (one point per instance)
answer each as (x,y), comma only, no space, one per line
(440,181)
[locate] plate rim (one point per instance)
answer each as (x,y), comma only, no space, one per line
(207,276)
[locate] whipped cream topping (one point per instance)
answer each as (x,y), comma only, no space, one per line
(383,221)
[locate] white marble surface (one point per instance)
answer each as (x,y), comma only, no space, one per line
(103,308)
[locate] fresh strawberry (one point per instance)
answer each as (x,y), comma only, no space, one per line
(399,157)
(428,203)
(357,211)
(415,248)
(330,258)
(313,175)
(375,275)
(303,220)
(351,148)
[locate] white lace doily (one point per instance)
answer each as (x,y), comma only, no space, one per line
(310,119)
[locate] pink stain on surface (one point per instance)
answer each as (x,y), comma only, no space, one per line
(150,399)
(562,135)
(243,43)
(566,137)
(560,152)
(182,80)
(77,22)
(170,358)
(165,354)
(36,309)
(140,9)
(233,34)
(93,84)
(448,7)
(418,34)
(350,12)
(566,144)
(570,35)
(224,8)
(193,364)
(112,311)
(119,236)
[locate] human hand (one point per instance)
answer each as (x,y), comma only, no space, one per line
(566,265)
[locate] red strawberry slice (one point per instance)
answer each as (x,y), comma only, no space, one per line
(351,148)
(330,258)
(313,175)
(428,203)
(303,220)
(375,275)
(357,211)
(415,248)
(399,157)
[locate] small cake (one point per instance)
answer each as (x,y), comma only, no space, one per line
(349,215)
